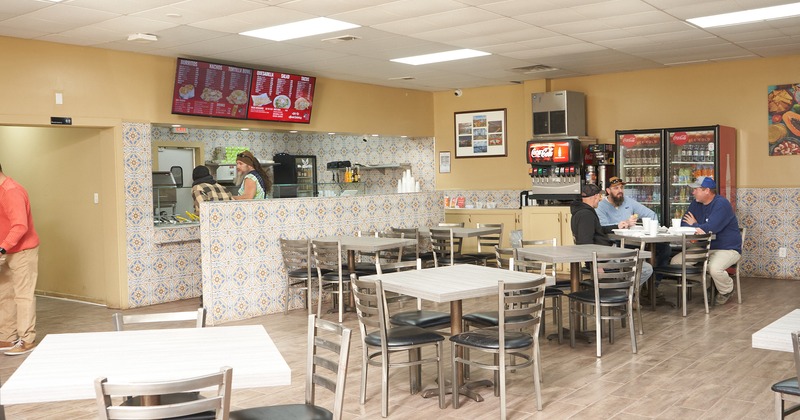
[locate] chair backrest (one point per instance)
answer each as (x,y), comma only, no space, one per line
(532,265)
(442,246)
(220,403)
(120,320)
(296,254)
(410,233)
(504,257)
(371,308)
(381,268)
(489,241)
(391,255)
(327,256)
(743,232)
(326,364)
(616,271)
(695,251)
(796,347)
(520,306)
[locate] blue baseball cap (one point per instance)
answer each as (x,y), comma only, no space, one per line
(704,182)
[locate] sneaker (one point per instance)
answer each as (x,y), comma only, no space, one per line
(20,347)
(6,345)
(722,298)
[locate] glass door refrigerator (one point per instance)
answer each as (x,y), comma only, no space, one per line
(294,176)
(639,163)
(306,175)
(692,152)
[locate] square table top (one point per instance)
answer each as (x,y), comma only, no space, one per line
(450,283)
(570,253)
(778,335)
(64,366)
(368,243)
(635,236)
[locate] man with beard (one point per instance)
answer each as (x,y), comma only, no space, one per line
(617,208)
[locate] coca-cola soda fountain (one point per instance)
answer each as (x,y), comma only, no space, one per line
(556,172)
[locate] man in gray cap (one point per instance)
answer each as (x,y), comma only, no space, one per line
(709,212)
(205,188)
(586,226)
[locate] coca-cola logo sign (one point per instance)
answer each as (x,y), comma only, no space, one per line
(680,138)
(628,140)
(548,152)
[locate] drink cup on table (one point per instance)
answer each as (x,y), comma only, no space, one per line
(676,223)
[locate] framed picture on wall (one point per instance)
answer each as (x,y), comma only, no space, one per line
(481,133)
(783,105)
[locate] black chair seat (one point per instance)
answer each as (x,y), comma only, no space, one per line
(489,338)
(606,296)
(553,291)
(421,319)
(490,318)
(403,336)
(366,268)
(458,259)
(334,276)
(675,270)
(283,412)
(302,273)
(788,386)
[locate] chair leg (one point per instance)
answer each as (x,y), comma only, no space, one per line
(778,406)
(537,374)
(414,371)
(599,331)
(738,285)
(440,373)
(558,315)
(705,293)
(571,326)
(453,353)
(637,303)
(384,385)
(364,367)
(633,330)
(683,294)
(501,379)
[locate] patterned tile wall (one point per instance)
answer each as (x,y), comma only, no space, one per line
(328,148)
(772,219)
(164,263)
(243,272)
(504,199)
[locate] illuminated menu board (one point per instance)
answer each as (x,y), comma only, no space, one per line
(281,97)
(211,90)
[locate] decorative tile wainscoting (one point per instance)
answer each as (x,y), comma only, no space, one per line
(772,219)
(242,266)
(505,199)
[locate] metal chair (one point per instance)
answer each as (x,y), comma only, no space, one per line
(380,342)
(694,262)
(219,403)
(517,335)
(328,260)
(487,243)
(555,289)
(788,390)
(414,254)
(120,321)
(299,270)
(367,267)
(426,319)
(615,278)
(446,251)
(326,366)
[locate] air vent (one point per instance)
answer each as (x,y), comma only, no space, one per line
(343,38)
(402,78)
(536,68)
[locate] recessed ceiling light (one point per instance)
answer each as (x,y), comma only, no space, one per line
(244,129)
(439,57)
(144,38)
(375,135)
(55,1)
(300,29)
(330,134)
(747,16)
(173,15)
(176,125)
(293,131)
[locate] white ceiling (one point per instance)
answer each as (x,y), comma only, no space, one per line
(576,37)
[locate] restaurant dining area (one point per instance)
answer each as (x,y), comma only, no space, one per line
(699,366)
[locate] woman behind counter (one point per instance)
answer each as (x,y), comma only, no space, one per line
(256,182)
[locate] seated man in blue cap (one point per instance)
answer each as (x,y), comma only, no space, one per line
(709,212)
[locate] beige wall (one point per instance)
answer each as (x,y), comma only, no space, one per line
(74,232)
(100,83)
(731,93)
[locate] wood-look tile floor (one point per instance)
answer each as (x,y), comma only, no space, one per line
(698,367)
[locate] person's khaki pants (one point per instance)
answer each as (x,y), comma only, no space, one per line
(17,302)
(718,261)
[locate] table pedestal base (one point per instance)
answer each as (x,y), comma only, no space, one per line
(467,390)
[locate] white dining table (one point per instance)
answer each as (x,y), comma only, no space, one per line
(464,232)
(778,334)
(64,367)
(351,244)
(451,284)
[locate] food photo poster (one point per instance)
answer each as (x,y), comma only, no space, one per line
(481,133)
(783,105)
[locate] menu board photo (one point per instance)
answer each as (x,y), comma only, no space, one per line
(281,97)
(211,90)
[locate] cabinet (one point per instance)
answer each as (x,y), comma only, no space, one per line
(539,222)
(470,217)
